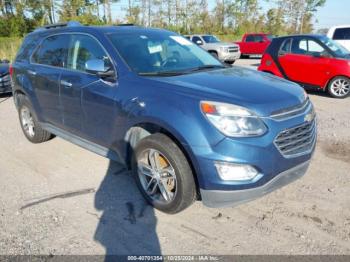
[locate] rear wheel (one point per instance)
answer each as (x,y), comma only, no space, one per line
(29,123)
(339,87)
(163,174)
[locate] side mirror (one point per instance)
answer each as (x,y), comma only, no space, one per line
(95,66)
(199,42)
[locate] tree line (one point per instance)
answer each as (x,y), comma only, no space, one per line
(18,17)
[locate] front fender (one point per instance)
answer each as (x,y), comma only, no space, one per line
(182,118)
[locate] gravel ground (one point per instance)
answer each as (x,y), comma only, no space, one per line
(57,198)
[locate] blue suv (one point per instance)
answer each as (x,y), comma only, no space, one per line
(189,127)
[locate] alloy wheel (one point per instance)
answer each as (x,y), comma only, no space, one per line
(157,176)
(340,87)
(27,121)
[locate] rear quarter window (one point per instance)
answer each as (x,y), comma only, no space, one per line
(342,34)
(28,46)
(52,51)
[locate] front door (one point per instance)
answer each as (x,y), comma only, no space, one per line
(88,105)
(307,62)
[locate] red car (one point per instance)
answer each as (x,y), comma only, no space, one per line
(313,61)
(254,44)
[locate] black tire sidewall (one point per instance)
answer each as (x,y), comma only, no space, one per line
(39,134)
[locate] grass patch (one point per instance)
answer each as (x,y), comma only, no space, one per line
(9,47)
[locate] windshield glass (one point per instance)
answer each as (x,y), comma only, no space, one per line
(338,49)
(210,39)
(156,52)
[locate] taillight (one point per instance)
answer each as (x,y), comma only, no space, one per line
(11,70)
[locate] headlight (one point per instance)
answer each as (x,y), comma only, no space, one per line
(232,120)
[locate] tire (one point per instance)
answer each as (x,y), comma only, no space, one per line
(214,54)
(29,123)
(339,87)
(230,62)
(160,151)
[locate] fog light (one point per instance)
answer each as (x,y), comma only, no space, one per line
(237,172)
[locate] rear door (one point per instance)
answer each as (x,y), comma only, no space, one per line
(306,62)
(45,71)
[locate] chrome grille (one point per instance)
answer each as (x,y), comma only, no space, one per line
(233,49)
(298,140)
(292,111)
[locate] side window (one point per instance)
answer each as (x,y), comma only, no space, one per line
(306,47)
(28,46)
(195,39)
(83,48)
(52,51)
(342,34)
(314,47)
(250,38)
(259,38)
(285,47)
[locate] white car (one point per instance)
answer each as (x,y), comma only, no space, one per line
(225,52)
(340,34)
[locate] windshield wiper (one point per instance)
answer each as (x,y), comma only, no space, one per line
(182,72)
(160,73)
(205,67)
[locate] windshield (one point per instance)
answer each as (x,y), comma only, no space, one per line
(338,49)
(160,52)
(210,39)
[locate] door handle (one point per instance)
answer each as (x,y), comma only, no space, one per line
(66,84)
(31,72)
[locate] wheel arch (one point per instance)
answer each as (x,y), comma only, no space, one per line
(326,86)
(141,130)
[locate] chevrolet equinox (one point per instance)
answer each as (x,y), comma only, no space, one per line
(188,127)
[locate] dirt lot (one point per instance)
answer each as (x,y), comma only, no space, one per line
(57,198)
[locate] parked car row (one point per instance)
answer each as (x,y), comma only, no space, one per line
(188,126)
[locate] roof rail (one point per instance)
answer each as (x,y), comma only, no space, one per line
(51,26)
(125,24)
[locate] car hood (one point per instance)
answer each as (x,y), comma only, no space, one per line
(4,69)
(260,92)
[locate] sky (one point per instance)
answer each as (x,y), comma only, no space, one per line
(334,12)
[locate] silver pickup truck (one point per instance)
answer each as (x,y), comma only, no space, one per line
(225,52)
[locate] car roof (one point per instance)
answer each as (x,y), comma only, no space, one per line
(77,27)
(300,35)
(339,26)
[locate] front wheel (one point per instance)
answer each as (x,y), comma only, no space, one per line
(214,54)
(163,174)
(339,87)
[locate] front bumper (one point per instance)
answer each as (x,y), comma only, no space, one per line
(218,198)
(229,56)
